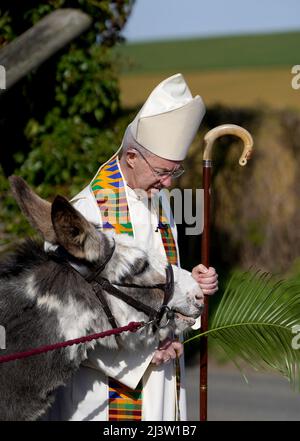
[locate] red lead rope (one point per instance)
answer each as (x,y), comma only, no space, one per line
(132,327)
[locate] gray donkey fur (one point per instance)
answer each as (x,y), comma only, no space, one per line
(44,300)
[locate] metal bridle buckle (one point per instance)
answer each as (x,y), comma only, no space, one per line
(170,316)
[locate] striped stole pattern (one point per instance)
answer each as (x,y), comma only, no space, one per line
(125,404)
(167,237)
(108,187)
(109,190)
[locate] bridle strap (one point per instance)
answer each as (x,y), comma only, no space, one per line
(155,316)
(62,252)
(74,262)
(104,305)
(96,280)
(111,289)
(94,275)
(166,287)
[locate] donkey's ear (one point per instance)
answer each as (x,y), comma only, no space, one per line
(36,209)
(74,232)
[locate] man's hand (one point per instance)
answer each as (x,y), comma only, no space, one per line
(168,350)
(207,278)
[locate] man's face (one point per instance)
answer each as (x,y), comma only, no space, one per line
(151,172)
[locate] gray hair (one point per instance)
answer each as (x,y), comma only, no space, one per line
(130,143)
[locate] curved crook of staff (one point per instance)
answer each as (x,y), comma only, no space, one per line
(209,139)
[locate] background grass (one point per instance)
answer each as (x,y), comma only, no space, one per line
(280,49)
(255,88)
(236,71)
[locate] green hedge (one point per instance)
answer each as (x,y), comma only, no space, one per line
(63,119)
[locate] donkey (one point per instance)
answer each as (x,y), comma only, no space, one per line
(60,294)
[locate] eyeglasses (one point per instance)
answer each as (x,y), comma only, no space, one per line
(160,173)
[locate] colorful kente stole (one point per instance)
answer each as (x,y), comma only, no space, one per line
(108,187)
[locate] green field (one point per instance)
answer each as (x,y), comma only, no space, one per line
(266,50)
(248,70)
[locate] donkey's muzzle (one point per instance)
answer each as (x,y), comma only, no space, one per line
(200,308)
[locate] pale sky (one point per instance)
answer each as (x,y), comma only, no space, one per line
(167,19)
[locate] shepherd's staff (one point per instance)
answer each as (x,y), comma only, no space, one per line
(209,139)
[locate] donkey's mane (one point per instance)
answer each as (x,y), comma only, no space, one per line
(51,272)
(24,256)
(28,255)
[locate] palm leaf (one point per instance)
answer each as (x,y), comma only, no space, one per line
(254,323)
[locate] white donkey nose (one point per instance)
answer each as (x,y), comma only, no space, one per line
(200,308)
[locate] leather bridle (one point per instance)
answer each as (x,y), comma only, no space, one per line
(100,283)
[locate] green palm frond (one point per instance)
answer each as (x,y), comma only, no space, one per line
(254,323)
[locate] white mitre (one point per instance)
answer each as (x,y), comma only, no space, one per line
(168,121)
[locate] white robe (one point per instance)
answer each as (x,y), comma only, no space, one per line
(85,398)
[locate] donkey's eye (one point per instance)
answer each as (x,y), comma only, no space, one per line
(140,266)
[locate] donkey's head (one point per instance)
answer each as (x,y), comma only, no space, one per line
(122,263)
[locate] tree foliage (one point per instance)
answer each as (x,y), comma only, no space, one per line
(64,119)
